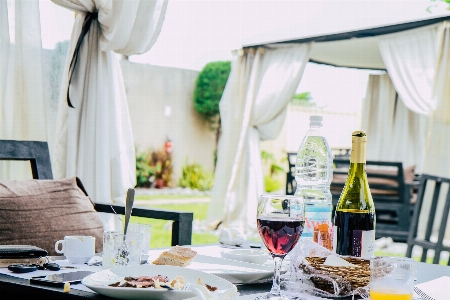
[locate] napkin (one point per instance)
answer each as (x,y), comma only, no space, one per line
(336,261)
(436,289)
(231,237)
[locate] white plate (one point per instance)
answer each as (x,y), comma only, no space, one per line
(247,255)
(231,270)
(99,282)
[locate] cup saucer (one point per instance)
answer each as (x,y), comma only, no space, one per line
(247,255)
(78,260)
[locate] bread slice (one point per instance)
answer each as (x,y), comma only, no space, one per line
(176,256)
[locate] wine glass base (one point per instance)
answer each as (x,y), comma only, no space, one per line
(270,296)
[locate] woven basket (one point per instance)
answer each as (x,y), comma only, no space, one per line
(346,279)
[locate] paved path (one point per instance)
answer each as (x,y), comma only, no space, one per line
(186,196)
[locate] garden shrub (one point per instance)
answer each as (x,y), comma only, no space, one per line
(209,88)
(161,161)
(195,177)
(271,182)
(154,168)
(144,172)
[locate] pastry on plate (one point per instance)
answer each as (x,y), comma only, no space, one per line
(176,256)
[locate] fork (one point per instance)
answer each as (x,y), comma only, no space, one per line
(185,287)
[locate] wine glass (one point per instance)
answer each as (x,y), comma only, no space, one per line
(280,221)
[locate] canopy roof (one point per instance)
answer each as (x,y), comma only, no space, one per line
(353,48)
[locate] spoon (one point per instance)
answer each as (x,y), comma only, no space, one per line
(128,209)
(122,252)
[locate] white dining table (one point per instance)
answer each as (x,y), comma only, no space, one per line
(13,283)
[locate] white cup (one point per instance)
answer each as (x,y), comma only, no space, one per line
(77,249)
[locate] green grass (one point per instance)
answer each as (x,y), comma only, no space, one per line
(161,237)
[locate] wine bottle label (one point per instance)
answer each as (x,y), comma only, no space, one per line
(363,243)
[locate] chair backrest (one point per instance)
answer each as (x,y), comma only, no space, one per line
(39,156)
(386,179)
(36,152)
(291,185)
(435,184)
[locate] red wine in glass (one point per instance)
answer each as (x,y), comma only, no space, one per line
(280,235)
(280,220)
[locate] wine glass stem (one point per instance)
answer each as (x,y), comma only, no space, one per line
(278,260)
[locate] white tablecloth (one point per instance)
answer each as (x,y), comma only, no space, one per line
(209,250)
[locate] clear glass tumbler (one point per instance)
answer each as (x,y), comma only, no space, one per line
(146,230)
(121,250)
(391,278)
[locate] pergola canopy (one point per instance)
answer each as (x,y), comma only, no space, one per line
(354,49)
(265,74)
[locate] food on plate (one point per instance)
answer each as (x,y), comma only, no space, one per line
(176,256)
(141,281)
(157,282)
(177,282)
(209,287)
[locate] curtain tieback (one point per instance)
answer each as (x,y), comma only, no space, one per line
(84,30)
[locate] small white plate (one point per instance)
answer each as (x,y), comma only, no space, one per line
(247,255)
(231,270)
(99,282)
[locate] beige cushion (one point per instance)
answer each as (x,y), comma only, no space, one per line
(40,212)
(408,173)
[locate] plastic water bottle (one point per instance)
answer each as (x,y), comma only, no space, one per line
(313,174)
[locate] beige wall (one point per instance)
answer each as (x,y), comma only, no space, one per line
(161,105)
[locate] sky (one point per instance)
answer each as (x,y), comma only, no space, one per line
(197,32)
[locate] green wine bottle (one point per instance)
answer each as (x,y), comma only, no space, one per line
(354,219)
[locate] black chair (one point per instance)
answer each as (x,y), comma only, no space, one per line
(39,156)
(391,196)
(426,243)
(36,152)
(291,184)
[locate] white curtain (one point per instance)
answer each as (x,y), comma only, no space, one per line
(417,62)
(252,108)
(410,59)
(377,117)
(94,139)
(394,132)
(22,104)
(438,145)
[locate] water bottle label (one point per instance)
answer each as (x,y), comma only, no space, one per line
(296,211)
(314,216)
(323,235)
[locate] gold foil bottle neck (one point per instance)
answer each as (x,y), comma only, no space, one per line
(359,140)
